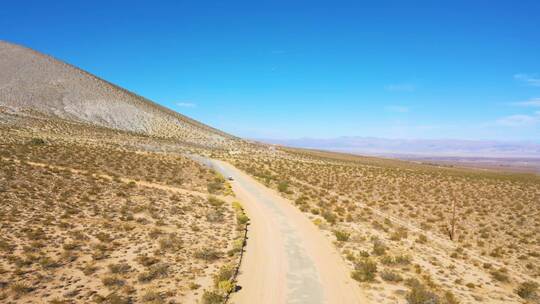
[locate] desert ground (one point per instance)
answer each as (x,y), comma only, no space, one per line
(99,222)
(413,233)
(101,215)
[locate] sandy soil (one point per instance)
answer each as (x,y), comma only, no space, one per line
(287,260)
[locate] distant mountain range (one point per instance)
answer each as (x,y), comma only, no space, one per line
(415,147)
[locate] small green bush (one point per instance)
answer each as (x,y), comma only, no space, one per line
(212,297)
(283,186)
(365,270)
(242,219)
(225,273)
(342,236)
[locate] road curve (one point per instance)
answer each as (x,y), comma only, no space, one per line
(287,259)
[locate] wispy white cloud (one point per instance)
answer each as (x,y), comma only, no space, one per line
(186,104)
(397,109)
(519,120)
(400,87)
(533,102)
(532,80)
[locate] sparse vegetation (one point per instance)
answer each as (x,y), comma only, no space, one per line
(451,220)
(106,216)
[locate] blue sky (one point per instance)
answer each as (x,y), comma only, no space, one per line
(287,69)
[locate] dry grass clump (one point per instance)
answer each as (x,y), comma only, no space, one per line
(207,254)
(527,290)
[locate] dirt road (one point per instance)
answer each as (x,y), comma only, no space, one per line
(287,258)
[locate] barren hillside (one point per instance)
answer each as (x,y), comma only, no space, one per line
(32,82)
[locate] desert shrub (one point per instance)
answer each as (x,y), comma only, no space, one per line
(401,233)
(89,269)
(212,297)
(112,298)
(226,286)
(112,281)
(527,290)
(238,245)
(225,273)
(215,202)
(365,270)
(419,294)
(119,268)
(157,270)
(155,233)
(147,260)
(242,219)
(152,296)
(500,275)
(450,298)
(160,269)
(283,186)
(20,288)
(379,248)
(56,301)
(5,246)
(363,254)
(104,237)
(391,276)
(402,259)
(387,260)
(341,235)
(37,141)
(329,216)
(207,254)
(215,216)
(422,239)
(145,277)
(170,243)
(48,263)
(71,246)
(216,185)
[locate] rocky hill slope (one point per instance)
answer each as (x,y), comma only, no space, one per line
(32,83)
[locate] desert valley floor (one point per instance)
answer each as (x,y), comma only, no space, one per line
(108,197)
